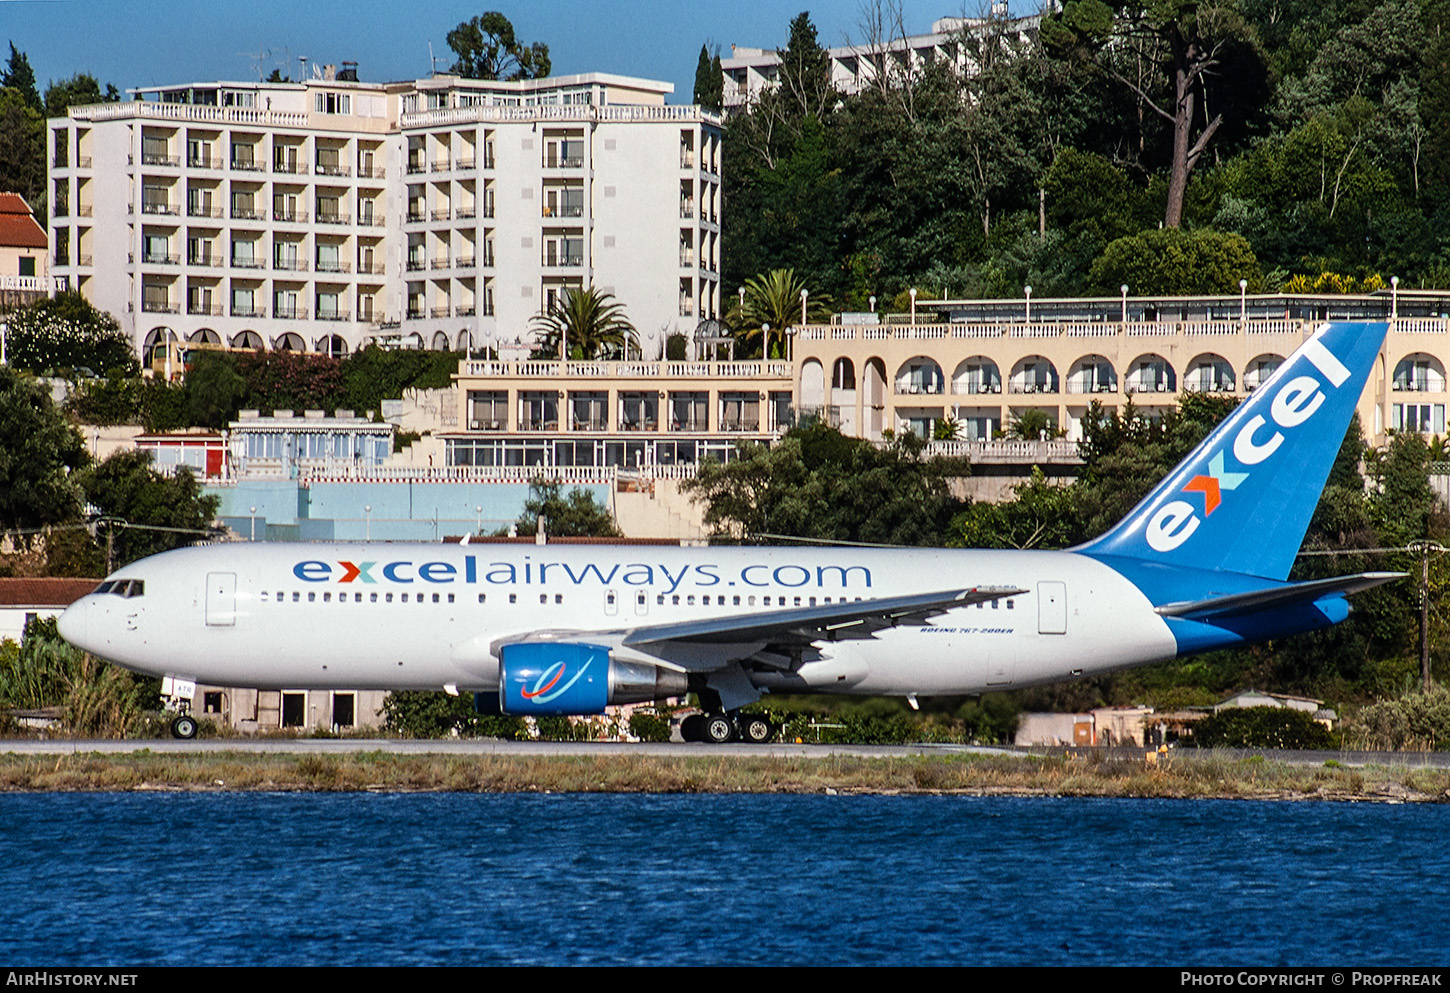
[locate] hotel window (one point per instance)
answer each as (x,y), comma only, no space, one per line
(333,103)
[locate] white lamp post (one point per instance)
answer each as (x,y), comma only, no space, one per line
(804,293)
(368,509)
(765,342)
(254,523)
(1394,301)
(913,305)
(1027,291)
(1124,290)
(478,519)
(872,305)
(1243,301)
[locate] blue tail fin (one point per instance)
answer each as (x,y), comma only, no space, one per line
(1243,498)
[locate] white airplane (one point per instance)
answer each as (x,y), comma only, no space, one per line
(1201,563)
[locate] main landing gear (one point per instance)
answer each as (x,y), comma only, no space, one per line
(720,728)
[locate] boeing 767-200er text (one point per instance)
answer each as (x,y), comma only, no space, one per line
(1201,563)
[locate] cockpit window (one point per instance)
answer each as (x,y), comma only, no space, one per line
(123,587)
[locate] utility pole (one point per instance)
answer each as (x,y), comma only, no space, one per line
(1426,549)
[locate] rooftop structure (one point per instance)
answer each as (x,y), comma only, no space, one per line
(750,71)
(438,213)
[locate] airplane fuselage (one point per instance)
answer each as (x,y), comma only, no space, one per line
(411,616)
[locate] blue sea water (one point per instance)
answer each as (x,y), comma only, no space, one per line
(466,879)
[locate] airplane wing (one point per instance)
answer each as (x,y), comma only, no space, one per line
(804,625)
(1233,604)
(704,645)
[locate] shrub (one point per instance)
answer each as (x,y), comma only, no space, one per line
(649,727)
(1261,727)
(1415,721)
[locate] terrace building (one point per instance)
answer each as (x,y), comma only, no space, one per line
(435,213)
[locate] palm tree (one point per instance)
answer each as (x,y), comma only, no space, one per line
(775,299)
(584,324)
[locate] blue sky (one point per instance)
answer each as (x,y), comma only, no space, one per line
(152,42)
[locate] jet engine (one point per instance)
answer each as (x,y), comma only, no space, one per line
(548,678)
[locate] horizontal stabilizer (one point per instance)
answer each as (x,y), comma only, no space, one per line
(803,625)
(1233,604)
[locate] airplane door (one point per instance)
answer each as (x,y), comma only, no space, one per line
(1001,660)
(221,599)
(641,602)
(1052,608)
(611,602)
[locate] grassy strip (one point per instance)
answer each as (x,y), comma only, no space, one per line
(1106,776)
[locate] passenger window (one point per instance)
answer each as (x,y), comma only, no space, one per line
(357,598)
(737,599)
(373,597)
(405,597)
(543,598)
(450,598)
(558,598)
(675,600)
(1009,604)
(690,600)
(388,597)
(660,600)
(296,597)
(327,598)
(480,598)
(435,597)
(513,598)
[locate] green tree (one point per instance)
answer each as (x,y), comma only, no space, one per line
(709,81)
(774,298)
(1171,55)
(38,451)
(1175,262)
(487,48)
(591,323)
(20,77)
(1041,514)
(22,149)
(171,509)
(66,332)
(214,389)
(817,483)
(78,90)
(574,515)
(372,374)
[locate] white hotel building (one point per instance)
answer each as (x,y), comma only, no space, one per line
(436,213)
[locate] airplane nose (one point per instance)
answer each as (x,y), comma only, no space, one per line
(74,624)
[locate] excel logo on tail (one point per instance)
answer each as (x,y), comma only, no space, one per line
(1213,485)
(1255,440)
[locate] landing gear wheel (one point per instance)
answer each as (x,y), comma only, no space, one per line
(719,729)
(755,729)
(184,727)
(690,728)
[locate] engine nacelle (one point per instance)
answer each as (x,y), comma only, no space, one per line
(549,678)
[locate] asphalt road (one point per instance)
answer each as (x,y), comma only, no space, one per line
(488,746)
